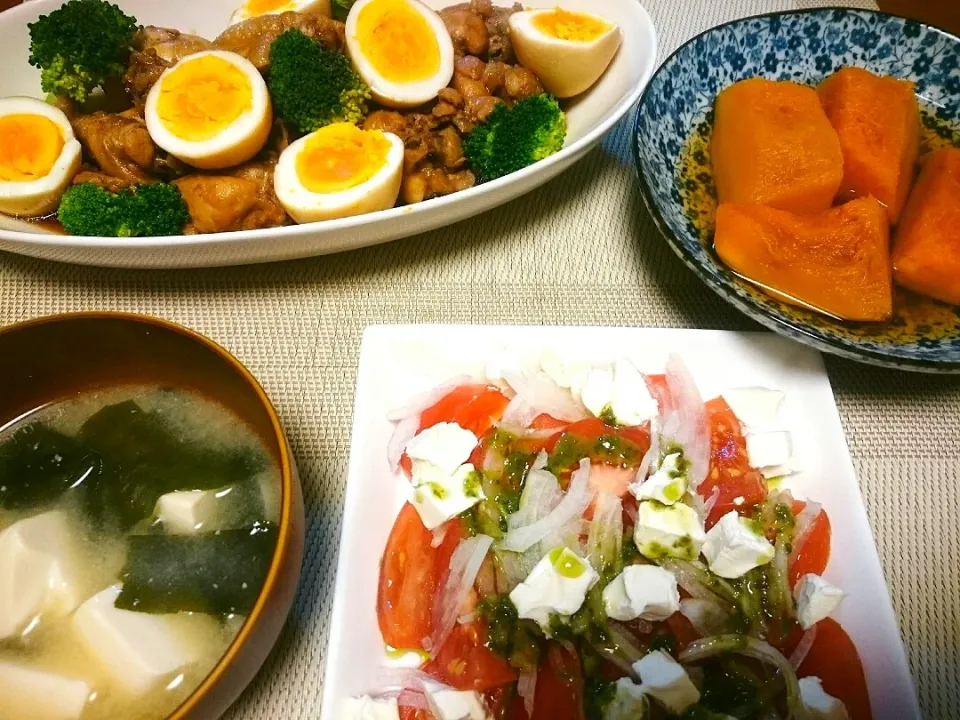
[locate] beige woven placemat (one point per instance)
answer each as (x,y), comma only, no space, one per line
(581,250)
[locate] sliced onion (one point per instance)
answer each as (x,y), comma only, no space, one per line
(467,619)
(631,510)
(405,679)
(802,527)
(486,582)
(572,506)
(541,394)
(707,616)
(541,494)
(780,585)
(464,565)
(492,461)
(685,423)
(700,583)
(420,402)
(803,648)
(711,501)
(714,645)
(519,411)
(414,699)
(527,688)
(403,433)
(524,433)
(605,537)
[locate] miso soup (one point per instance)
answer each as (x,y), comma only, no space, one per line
(137,526)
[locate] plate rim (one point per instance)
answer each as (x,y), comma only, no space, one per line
(791,329)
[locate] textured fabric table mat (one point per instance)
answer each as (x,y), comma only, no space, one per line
(581,250)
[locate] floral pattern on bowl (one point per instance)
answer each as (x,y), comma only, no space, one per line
(671,150)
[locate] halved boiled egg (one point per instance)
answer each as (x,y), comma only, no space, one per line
(211,110)
(338,171)
(401,49)
(256,8)
(568,51)
(39,156)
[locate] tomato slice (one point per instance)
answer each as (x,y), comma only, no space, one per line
(543,421)
(682,630)
(410,712)
(466,663)
(559,691)
(473,407)
(730,472)
(602,443)
(410,571)
(814,554)
(834,659)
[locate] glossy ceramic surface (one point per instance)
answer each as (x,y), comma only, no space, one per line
(589,117)
(55,358)
(671,147)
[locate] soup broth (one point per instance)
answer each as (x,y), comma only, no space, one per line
(136,529)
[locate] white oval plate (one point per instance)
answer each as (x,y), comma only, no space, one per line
(588,119)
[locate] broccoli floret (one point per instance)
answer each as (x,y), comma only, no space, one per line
(80,45)
(144,211)
(340,9)
(312,87)
(513,137)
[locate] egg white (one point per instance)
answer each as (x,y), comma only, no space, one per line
(236,143)
(377,193)
(565,67)
(314,7)
(401,94)
(40,196)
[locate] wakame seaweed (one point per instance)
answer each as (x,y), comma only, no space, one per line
(38,465)
(218,573)
(143,459)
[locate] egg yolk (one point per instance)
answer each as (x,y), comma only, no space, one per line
(571,26)
(341,156)
(263,7)
(29,147)
(398,41)
(202,97)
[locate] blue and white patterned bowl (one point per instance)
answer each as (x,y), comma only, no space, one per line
(671,150)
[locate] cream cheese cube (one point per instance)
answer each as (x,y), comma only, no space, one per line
(667,485)
(368,708)
(457,705)
(668,531)
(818,704)
(734,548)
(557,586)
(38,572)
(567,372)
(597,392)
(816,599)
(757,408)
(666,681)
(621,392)
(439,497)
(642,591)
(33,694)
(628,703)
(138,650)
(445,445)
(768,450)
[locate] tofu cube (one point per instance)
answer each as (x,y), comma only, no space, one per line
(186,512)
(667,485)
(457,705)
(758,408)
(32,694)
(38,572)
(555,588)
(733,547)
(138,650)
(439,497)
(666,681)
(642,591)
(367,708)
(668,531)
(816,599)
(818,704)
(445,445)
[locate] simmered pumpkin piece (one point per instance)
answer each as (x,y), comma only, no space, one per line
(926,253)
(837,261)
(878,121)
(772,144)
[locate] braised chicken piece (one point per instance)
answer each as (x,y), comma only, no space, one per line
(467,29)
(119,145)
(433,182)
(155,50)
(252,38)
(244,200)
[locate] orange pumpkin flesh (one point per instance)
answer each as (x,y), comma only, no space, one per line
(926,253)
(878,122)
(772,144)
(836,261)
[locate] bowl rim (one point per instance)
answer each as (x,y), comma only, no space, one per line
(287,479)
(616,112)
(801,332)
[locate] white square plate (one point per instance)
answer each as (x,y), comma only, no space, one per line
(399,361)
